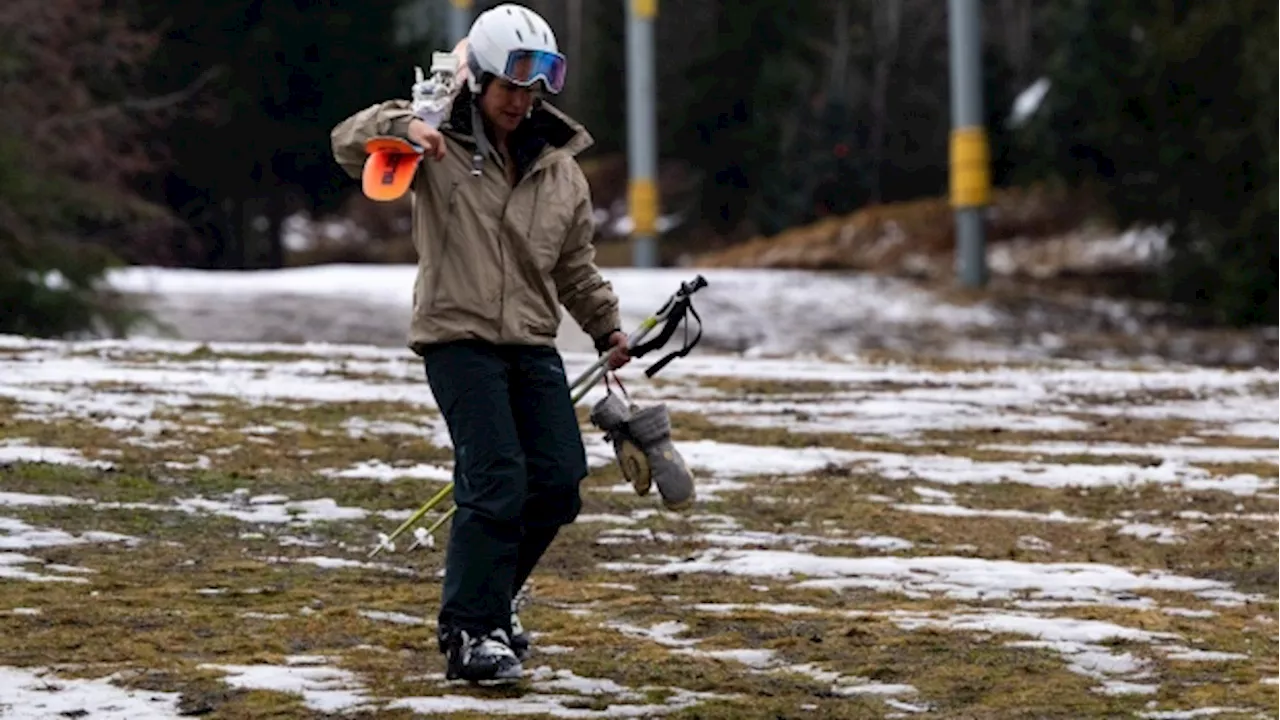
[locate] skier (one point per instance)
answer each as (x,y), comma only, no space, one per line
(503,227)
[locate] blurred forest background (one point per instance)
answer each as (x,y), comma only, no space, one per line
(798,134)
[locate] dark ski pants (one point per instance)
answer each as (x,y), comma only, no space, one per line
(518,463)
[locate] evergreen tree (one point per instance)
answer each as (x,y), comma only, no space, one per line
(72,138)
(742,87)
(603,73)
(1169,109)
(281,75)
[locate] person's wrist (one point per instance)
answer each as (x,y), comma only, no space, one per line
(430,118)
(604,341)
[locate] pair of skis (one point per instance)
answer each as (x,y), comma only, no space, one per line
(393,161)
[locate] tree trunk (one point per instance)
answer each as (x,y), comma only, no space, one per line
(1015,25)
(230,254)
(841,54)
(575,29)
(886,19)
(275,211)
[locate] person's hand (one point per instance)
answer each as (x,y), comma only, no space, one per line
(619,353)
(427,138)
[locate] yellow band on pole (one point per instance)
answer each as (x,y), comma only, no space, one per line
(461,4)
(970,167)
(645,9)
(644,207)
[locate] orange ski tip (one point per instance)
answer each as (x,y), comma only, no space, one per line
(389,169)
(389,143)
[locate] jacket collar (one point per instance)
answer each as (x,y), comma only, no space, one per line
(547,134)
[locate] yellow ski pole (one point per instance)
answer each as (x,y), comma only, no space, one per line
(426,536)
(587,380)
(388,541)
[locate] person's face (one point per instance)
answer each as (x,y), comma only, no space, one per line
(506,104)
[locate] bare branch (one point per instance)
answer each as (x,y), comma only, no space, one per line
(152,104)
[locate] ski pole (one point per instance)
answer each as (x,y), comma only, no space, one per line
(678,303)
(388,541)
(599,368)
(426,536)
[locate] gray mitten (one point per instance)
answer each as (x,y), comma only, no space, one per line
(650,428)
(611,415)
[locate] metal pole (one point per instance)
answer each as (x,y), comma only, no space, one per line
(459,20)
(970,155)
(641,134)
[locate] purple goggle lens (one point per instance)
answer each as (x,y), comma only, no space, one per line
(524,67)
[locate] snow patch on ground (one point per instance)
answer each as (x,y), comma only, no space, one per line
(37,693)
(17,451)
(323,688)
(960,578)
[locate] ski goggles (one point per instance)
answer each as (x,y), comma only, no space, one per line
(524,67)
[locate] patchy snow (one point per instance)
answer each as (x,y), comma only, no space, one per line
(1080,642)
(1085,252)
(260,509)
(14,566)
(887,414)
(755,660)
(397,618)
(555,705)
(1053,516)
(25,611)
(323,688)
(902,404)
(1165,452)
(1185,612)
(37,693)
(815,303)
(18,452)
(954,470)
(1161,534)
(752,538)
(778,608)
(735,460)
(1189,714)
(382,472)
(18,535)
(605,518)
(264,616)
(273,510)
(960,578)
(1205,656)
(560,693)
(33,499)
(663,633)
(1258,429)
(1124,687)
(333,563)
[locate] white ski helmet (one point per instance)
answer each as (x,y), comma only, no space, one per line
(514,43)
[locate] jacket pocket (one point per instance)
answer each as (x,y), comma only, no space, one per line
(541,237)
(550,220)
(464,277)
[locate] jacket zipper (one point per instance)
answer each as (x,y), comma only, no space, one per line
(502,246)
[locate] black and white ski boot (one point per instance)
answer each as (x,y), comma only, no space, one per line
(519,638)
(481,658)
